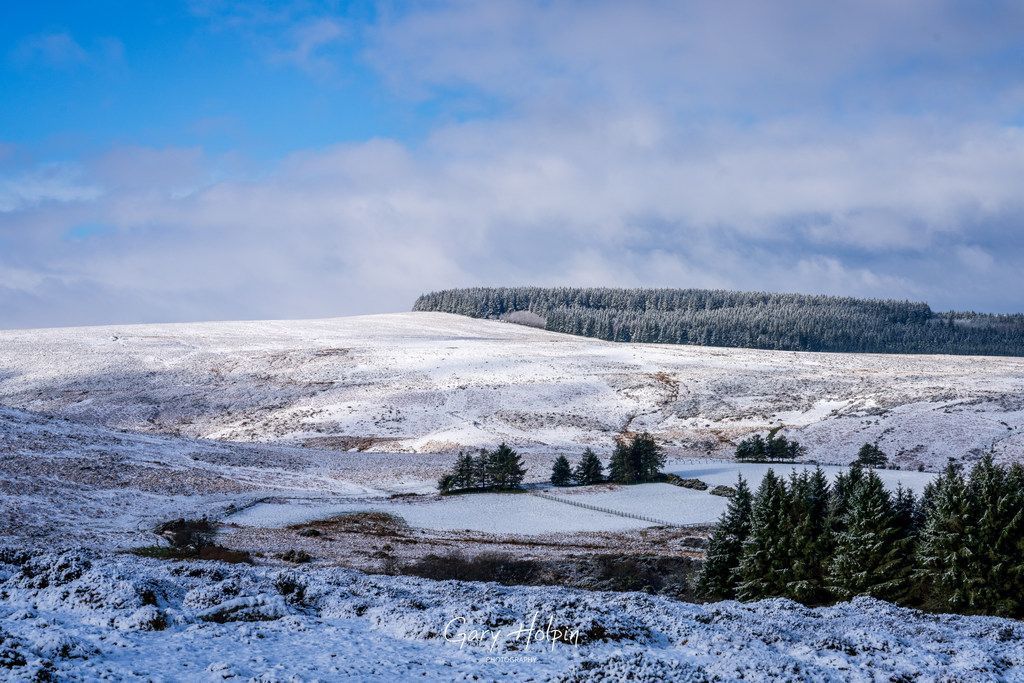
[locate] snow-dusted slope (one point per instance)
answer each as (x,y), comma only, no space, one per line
(432,382)
(83,617)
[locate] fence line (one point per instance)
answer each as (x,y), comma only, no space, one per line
(609,511)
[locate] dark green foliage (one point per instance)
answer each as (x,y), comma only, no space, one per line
(871,455)
(765,570)
(636,460)
(960,548)
(561,472)
(812,539)
(719,575)
(465,472)
(501,468)
(505,468)
(446,484)
(752,449)
(589,469)
(993,560)
(775,447)
(481,470)
(760,320)
(944,562)
(873,552)
(846,484)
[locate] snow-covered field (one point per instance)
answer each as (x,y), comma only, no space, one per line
(433,382)
(486,512)
(528,515)
(77,616)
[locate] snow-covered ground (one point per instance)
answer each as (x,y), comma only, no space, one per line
(433,382)
(485,512)
(529,515)
(105,432)
(77,616)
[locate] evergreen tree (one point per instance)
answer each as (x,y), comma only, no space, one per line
(561,472)
(871,455)
(618,467)
(482,469)
(872,554)
(636,460)
(589,469)
(765,569)
(505,468)
(647,456)
(720,573)
(446,483)
(944,562)
(839,503)
(776,447)
(465,472)
(752,449)
(812,539)
(994,542)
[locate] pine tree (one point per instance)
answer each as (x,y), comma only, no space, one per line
(765,568)
(719,574)
(872,556)
(994,541)
(589,469)
(446,483)
(648,456)
(842,491)
(944,555)
(812,539)
(561,472)
(482,469)
(752,449)
(619,470)
(465,472)
(505,468)
(636,460)
(871,455)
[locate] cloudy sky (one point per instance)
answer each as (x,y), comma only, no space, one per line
(219,160)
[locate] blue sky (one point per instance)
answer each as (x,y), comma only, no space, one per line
(164,161)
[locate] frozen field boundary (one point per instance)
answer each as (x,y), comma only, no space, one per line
(610,511)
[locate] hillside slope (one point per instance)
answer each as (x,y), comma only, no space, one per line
(434,382)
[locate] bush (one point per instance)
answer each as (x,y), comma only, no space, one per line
(213,553)
(185,533)
(695,484)
(723,490)
(484,567)
(294,556)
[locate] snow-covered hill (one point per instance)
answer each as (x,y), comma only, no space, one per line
(104,432)
(433,382)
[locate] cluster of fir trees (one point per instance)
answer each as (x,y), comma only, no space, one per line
(636,460)
(499,469)
(587,471)
(758,449)
(761,320)
(959,548)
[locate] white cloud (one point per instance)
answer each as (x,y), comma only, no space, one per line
(366,227)
(660,143)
